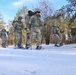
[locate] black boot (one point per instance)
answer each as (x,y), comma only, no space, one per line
(56,45)
(39,47)
(4,45)
(61,44)
(27,46)
(20,46)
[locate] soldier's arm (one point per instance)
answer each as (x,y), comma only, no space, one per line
(15,26)
(32,20)
(0,33)
(41,24)
(22,26)
(26,19)
(7,32)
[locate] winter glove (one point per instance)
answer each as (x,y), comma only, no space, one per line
(25,28)
(28,31)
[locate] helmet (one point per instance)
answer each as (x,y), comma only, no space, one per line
(4,29)
(20,17)
(37,10)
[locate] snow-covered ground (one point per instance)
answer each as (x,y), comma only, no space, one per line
(50,61)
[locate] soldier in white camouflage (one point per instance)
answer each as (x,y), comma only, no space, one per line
(28,28)
(18,32)
(36,25)
(13,24)
(56,31)
(4,35)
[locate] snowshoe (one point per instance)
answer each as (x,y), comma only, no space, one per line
(39,48)
(3,45)
(61,44)
(57,45)
(19,48)
(27,46)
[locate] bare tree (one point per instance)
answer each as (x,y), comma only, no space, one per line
(1,21)
(22,12)
(46,8)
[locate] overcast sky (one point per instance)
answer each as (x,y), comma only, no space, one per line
(9,8)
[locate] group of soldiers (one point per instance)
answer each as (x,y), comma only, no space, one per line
(33,27)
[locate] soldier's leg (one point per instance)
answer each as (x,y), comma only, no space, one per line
(58,40)
(55,39)
(33,37)
(39,37)
(7,42)
(0,41)
(20,41)
(15,40)
(28,41)
(4,42)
